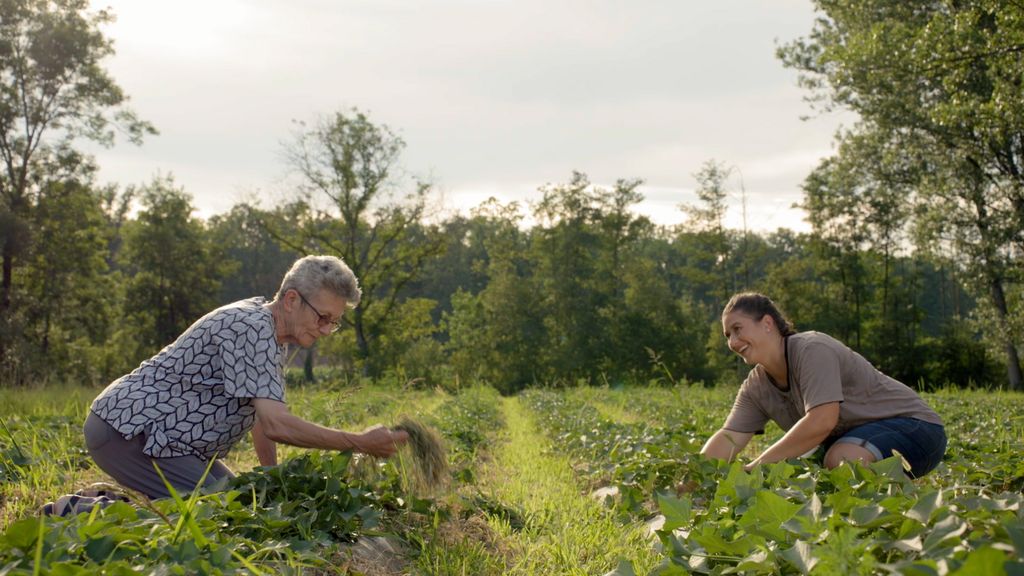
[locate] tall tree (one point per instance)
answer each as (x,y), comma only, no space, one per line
(347,168)
(706,224)
(261,260)
(53,90)
(175,268)
(945,77)
(67,300)
(566,249)
(497,334)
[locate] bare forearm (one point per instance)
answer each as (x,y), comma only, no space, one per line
(802,437)
(725,444)
(294,431)
(266,449)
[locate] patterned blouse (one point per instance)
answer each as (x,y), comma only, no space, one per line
(196,395)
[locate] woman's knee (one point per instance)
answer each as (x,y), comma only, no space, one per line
(845,452)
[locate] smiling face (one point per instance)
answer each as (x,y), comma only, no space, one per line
(753,340)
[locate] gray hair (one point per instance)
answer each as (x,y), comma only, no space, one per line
(311,274)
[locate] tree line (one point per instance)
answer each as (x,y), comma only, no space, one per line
(913,260)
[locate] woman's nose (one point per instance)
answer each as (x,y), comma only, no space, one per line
(732,342)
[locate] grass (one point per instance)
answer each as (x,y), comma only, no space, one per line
(42,452)
(566,531)
(519,504)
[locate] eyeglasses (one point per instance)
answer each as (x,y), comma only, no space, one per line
(321,319)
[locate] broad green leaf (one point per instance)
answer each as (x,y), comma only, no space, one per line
(737,487)
(800,557)
(908,528)
(985,561)
(866,515)
(779,472)
(22,534)
(813,507)
(675,510)
(668,568)
(841,476)
(891,468)
(843,501)
(919,568)
(1014,568)
(758,562)
(908,545)
(768,514)
(99,549)
(948,528)
(925,505)
(1016,534)
(714,543)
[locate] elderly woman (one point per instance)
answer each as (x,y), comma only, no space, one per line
(821,393)
(221,378)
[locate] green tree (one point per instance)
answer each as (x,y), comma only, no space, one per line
(858,201)
(261,260)
(498,334)
(68,300)
(575,254)
(175,269)
(707,247)
(53,90)
(346,165)
(939,83)
(461,266)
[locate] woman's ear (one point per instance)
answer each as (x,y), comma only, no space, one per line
(290,299)
(768,323)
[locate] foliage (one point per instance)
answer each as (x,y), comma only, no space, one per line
(346,167)
(53,91)
(786,518)
(938,145)
(262,261)
(175,270)
(796,517)
(285,519)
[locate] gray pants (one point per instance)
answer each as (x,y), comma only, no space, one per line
(125,462)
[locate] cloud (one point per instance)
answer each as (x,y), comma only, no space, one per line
(490,95)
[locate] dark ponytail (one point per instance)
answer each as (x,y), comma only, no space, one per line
(757,306)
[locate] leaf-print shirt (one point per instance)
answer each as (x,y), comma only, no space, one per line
(196,395)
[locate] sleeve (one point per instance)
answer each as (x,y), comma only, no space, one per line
(747,415)
(249,357)
(820,376)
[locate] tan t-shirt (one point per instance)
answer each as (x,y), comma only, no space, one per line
(823,370)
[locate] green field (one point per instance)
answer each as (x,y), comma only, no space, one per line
(521,498)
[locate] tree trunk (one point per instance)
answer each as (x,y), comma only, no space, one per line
(1013,371)
(8,276)
(5,297)
(362,346)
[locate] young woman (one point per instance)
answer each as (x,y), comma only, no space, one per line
(822,394)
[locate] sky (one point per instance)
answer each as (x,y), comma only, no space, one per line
(492,97)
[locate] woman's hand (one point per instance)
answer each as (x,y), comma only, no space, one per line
(805,435)
(379,441)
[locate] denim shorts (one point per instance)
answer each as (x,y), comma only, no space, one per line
(922,444)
